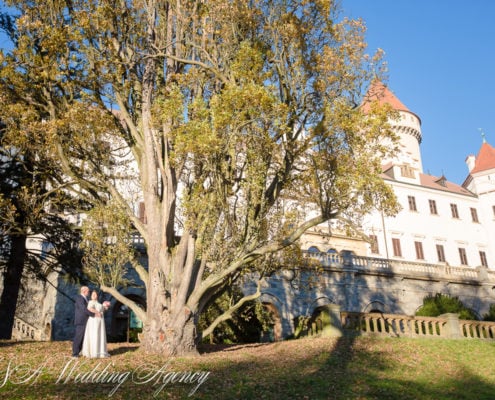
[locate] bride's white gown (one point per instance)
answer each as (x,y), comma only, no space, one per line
(95,336)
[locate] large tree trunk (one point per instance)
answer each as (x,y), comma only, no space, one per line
(170,339)
(11,285)
(170,327)
(166,335)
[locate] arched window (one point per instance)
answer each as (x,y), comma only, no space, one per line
(332,257)
(313,249)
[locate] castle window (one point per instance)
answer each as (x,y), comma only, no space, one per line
(313,249)
(412,203)
(419,250)
(433,207)
(453,209)
(474,215)
(396,246)
(440,253)
(463,256)
(483,259)
(407,171)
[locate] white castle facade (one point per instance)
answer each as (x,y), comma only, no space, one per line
(440,222)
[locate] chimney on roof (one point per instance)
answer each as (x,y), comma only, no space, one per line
(470,162)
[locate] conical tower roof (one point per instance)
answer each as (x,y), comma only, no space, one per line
(485,159)
(407,125)
(381,93)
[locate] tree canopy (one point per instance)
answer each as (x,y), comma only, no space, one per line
(236,123)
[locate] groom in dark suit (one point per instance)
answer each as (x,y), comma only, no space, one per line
(81,315)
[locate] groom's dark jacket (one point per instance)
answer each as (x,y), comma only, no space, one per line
(81,311)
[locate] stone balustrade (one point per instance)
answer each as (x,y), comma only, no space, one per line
(392,324)
(477,329)
(446,326)
(404,268)
(22,330)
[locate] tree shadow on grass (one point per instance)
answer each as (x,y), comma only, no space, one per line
(124,348)
(7,343)
(345,371)
(214,348)
(306,369)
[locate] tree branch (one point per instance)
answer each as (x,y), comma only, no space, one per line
(141,314)
(228,313)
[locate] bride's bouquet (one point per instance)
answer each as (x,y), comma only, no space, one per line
(106,305)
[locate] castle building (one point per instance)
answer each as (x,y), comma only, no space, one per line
(440,222)
(440,242)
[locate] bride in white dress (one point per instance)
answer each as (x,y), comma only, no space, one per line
(95,336)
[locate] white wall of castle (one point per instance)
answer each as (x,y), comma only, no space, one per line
(426,227)
(429,229)
(483,185)
(408,128)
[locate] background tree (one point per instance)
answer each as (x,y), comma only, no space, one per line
(35,200)
(240,118)
(14,236)
(31,209)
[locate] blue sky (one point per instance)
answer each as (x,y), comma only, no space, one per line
(441,65)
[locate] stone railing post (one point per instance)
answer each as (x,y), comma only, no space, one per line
(452,328)
(482,273)
(333,326)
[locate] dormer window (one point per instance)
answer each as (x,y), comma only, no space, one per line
(407,171)
(442,181)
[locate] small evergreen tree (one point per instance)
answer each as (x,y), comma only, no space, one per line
(438,304)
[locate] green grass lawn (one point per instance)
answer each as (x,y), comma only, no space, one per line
(311,368)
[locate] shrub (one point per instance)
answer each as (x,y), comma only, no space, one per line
(246,324)
(438,304)
(490,316)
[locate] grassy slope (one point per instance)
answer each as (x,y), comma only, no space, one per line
(316,368)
